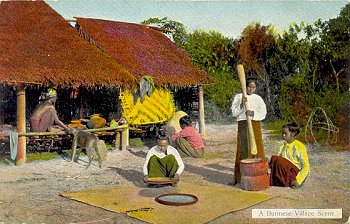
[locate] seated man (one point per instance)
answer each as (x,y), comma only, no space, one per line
(45,115)
(163,160)
(188,141)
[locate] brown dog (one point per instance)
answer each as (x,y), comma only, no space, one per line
(86,140)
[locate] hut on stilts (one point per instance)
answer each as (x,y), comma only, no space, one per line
(39,48)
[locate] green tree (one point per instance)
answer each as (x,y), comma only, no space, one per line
(175,30)
(210,51)
(290,66)
(310,63)
(335,40)
(215,54)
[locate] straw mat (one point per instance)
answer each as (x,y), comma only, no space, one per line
(213,201)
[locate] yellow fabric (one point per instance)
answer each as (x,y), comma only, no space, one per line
(213,201)
(156,108)
(295,152)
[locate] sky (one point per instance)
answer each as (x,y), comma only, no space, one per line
(228,17)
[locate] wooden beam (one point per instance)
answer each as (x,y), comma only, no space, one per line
(118,128)
(121,140)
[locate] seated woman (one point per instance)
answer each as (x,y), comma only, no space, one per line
(163,160)
(45,115)
(291,165)
(188,140)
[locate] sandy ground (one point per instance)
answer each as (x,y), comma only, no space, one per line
(30,193)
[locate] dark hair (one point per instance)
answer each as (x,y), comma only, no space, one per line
(251,79)
(185,120)
(292,127)
(161,135)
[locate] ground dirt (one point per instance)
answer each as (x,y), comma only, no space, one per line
(30,193)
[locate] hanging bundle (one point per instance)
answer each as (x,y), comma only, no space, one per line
(146,86)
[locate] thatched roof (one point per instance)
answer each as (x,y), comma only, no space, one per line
(37,45)
(144,51)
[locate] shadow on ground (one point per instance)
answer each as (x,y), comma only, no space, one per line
(134,176)
(210,175)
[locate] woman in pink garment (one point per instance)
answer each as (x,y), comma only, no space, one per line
(188,140)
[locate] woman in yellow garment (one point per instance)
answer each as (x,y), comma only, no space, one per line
(291,165)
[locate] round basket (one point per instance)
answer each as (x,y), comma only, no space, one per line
(254,167)
(176,199)
(255,183)
(161,180)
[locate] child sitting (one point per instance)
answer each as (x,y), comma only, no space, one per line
(188,140)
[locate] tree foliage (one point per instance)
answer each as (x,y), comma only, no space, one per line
(254,48)
(313,65)
(254,42)
(304,67)
(210,51)
(215,54)
(175,30)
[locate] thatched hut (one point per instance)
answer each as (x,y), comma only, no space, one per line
(39,47)
(146,51)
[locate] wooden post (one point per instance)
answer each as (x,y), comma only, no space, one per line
(117,141)
(21,125)
(201,112)
(125,138)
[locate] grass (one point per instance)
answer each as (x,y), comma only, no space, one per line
(136,143)
(30,157)
(209,155)
(41,156)
(274,127)
(212,155)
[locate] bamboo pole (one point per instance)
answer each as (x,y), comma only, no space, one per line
(21,125)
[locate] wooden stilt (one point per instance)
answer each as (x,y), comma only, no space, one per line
(201,112)
(125,138)
(117,141)
(21,125)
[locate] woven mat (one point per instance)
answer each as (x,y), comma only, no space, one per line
(213,201)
